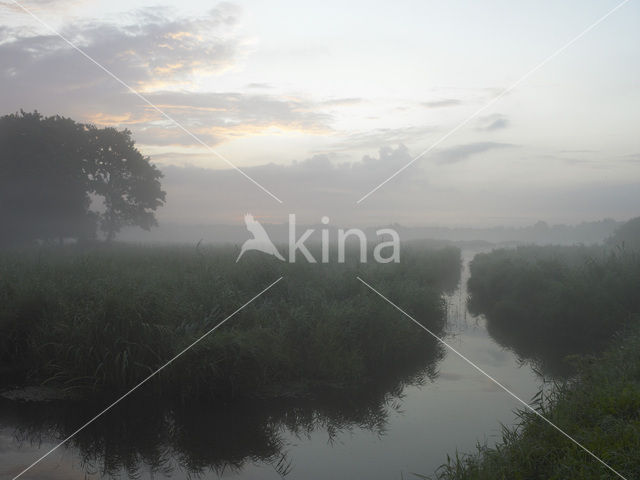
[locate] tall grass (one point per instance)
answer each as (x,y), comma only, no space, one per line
(101,319)
(601,410)
(546,303)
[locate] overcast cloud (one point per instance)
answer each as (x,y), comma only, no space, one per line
(322,112)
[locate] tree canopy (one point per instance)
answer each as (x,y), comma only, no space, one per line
(63,179)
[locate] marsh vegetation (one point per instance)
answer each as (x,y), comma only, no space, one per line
(574,312)
(317,353)
(97,321)
(549,303)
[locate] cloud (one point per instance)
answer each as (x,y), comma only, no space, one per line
(342,102)
(382,136)
(463,152)
(153,48)
(313,187)
(447,102)
(215,117)
(492,122)
(578,151)
(237,108)
(259,85)
(39,5)
(321,186)
(154,53)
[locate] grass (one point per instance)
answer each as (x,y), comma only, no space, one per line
(600,409)
(547,303)
(96,320)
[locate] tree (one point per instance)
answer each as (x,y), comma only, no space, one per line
(53,169)
(43,190)
(128,183)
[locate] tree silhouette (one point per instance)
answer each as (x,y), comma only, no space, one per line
(51,168)
(125,179)
(43,192)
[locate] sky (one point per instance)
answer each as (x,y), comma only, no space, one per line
(321,102)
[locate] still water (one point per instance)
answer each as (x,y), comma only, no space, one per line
(405,425)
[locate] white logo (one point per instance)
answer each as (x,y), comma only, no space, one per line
(260,240)
(263,243)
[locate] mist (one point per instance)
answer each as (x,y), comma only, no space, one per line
(328,240)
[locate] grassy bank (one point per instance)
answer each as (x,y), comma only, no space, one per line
(546,303)
(101,319)
(600,409)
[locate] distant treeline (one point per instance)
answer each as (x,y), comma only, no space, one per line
(540,233)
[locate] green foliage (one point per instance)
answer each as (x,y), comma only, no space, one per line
(51,167)
(124,178)
(101,319)
(601,410)
(546,303)
(43,189)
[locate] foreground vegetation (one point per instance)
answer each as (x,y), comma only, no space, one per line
(600,409)
(549,304)
(99,319)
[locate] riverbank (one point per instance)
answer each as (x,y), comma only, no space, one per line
(574,314)
(549,303)
(600,409)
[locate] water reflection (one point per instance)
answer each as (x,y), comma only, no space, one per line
(549,357)
(520,319)
(388,430)
(144,435)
